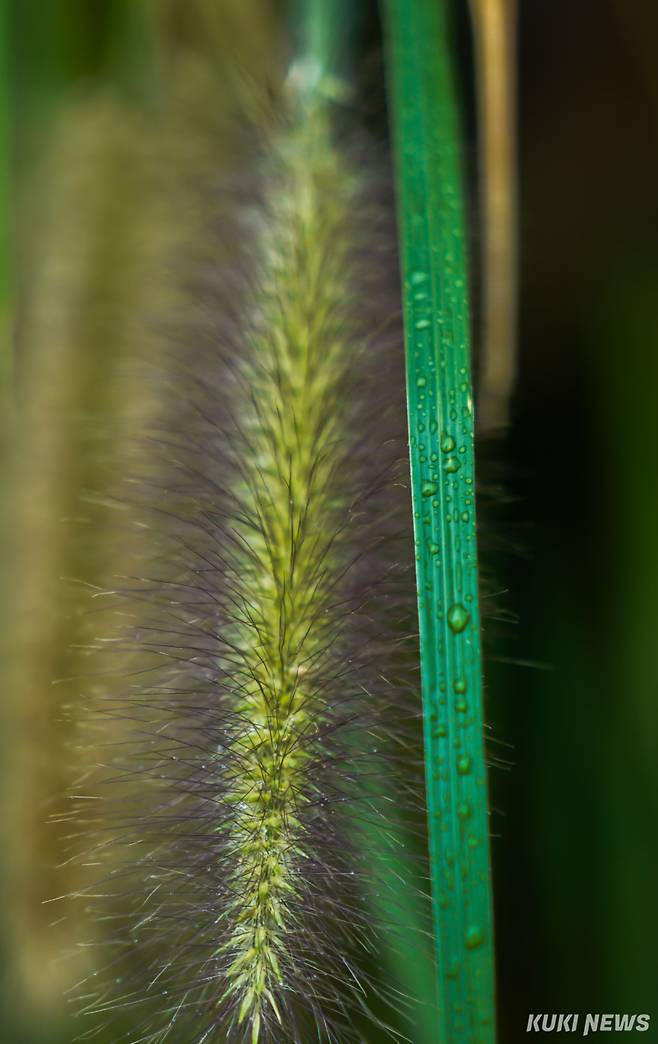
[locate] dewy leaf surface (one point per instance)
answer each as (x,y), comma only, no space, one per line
(441,433)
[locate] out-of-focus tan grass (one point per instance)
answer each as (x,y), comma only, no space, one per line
(94,237)
(115,192)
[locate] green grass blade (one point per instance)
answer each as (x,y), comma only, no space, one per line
(441,423)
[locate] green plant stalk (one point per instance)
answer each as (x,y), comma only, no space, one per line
(326,37)
(441,432)
(300,352)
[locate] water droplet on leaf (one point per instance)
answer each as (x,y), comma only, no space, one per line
(458,617)
(474,937)
(418,277)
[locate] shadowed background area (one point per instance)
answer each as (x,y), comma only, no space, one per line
(110,105)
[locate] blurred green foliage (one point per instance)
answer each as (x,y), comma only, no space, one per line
(577,852)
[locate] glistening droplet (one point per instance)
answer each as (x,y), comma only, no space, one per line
(458,617)
(474,937)
(416,278)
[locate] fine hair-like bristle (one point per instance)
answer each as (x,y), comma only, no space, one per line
(270,629)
